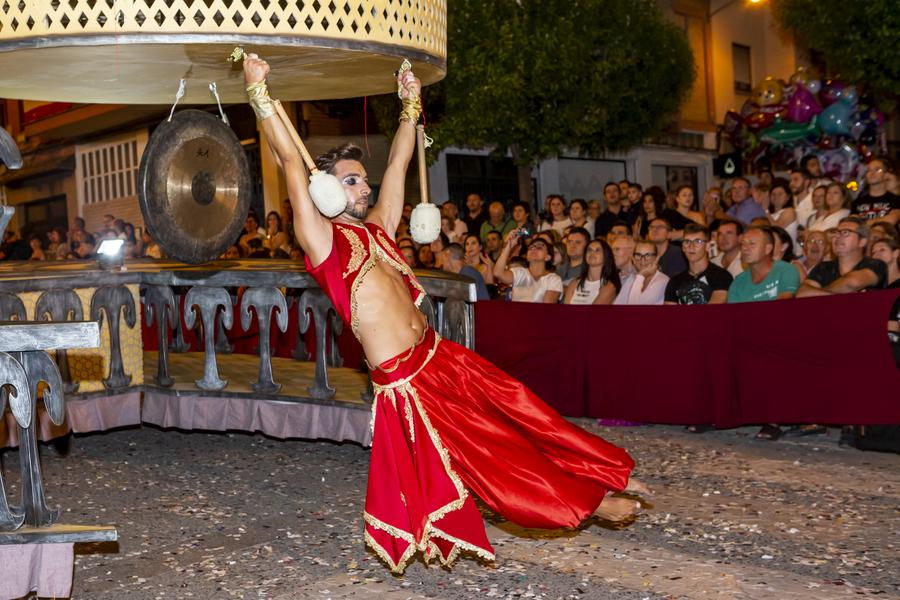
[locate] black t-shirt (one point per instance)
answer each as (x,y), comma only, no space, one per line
(874,207)
(473,224)
(684,288)
(676,219)
(672,261)
(825,273)
(605,222)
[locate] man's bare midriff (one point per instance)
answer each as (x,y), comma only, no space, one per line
(388,321)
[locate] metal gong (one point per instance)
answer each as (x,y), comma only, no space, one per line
(194,186)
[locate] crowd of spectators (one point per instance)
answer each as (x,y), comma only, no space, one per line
(76,243)
(275,240)
(773,239)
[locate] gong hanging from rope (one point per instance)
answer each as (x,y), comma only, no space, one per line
(194,186)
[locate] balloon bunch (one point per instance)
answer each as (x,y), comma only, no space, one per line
(782,122)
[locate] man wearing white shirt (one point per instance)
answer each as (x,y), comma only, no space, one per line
(728,246)
(802,192)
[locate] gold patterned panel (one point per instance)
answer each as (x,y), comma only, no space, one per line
(130,42)
(357,251)
(90,366)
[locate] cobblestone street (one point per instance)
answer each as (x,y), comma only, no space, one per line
(241,516)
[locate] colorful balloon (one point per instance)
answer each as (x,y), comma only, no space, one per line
(733,123)
(748,107)
(758,120)
(835,120)
(802,106)
(831,92)
(841,163)
(769,91)
(781,133)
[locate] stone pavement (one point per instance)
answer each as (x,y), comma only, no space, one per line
(242,516)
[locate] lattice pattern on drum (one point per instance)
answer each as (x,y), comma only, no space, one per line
(135,51)
(419,24)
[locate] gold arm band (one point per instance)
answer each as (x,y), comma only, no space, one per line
(260,101)
(412,109)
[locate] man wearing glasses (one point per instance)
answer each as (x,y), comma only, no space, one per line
(852,271)
(671,261)
(702,282)
(878,204)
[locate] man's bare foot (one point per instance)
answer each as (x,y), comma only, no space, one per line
(617,509)
(636,486)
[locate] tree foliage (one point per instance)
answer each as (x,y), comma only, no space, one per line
(534,76)
(860,41)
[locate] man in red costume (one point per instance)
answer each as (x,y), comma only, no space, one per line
(445,421)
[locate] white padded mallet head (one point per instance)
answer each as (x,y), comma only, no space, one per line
(425,223)
(327,194)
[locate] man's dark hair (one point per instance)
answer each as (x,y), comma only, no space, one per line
(254,243)
(862,228)
(621,223)
(638,186)
(79,221)
(524,206)
(737,224)
(886,162)
(805,160)
(663,220)
(696,228)
(736,179)
(610,183)
(455,251)
(802,170)
(325,162)
(582,232)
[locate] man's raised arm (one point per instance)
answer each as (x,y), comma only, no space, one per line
(389,208)
(312,229)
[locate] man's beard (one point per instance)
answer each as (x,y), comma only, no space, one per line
(357,211)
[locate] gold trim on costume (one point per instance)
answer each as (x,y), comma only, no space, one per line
(428,547)
(357,251)
(407,408)
(374,255)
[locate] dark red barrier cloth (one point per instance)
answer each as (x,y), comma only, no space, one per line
(822,360)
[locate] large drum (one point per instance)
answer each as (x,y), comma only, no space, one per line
(135,51)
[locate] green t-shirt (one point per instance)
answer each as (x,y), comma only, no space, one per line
(505,227)
(782,278)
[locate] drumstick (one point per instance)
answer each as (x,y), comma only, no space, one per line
(304,153)
(423,170)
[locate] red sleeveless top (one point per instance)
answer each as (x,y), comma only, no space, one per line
(354,250)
